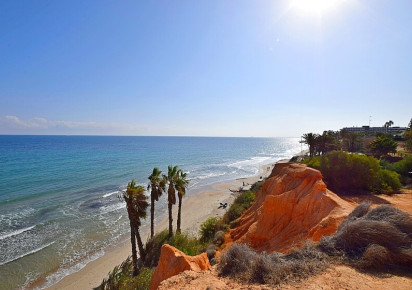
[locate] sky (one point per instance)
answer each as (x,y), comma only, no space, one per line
(203,68)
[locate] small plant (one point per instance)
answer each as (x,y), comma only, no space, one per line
(187,244)
(208,229)
(219,238)
(120,278)
(257,186)
(242,262)
(241,203)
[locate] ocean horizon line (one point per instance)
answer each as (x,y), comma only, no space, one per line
(174,136)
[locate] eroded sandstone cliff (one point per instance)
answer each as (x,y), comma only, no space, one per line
(293,205)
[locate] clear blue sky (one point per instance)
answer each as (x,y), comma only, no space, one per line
(207,68)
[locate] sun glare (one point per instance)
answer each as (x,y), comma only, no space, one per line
(315,6)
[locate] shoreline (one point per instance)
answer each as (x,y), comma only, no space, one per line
(195,210)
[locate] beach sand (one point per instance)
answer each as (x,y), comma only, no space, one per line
(195,210)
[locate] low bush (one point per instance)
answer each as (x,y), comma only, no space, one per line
(378,240)
(257,186)
(242,262)
(219,238)
(344,172)
(120,278)
(387,181)
(404,166)
(208,229)
(374,239)
(187,244)
(242,202)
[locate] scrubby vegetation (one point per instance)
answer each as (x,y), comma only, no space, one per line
(187,244)
(213,229)
(403,167)
(377,240)
(120,278)
(241,203)
(208,229)
(243,263)
(347,173)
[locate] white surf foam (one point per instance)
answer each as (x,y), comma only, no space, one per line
(110,193)
(26,254)
(15,233)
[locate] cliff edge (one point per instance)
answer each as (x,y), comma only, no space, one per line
(293,205)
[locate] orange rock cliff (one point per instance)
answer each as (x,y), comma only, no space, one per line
(172,262)
(293,205)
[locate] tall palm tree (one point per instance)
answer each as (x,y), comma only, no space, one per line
(170,178)
(310,140)
(136,204)
(181,183)
(387,125)
(158,185)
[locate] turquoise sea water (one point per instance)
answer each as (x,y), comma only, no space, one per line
(58,194)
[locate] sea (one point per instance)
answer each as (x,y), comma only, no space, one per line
(59,195)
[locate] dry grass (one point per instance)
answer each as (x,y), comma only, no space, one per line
(378,239)
(244,263)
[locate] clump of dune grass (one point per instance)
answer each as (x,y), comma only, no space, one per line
(242,262)
(378,239)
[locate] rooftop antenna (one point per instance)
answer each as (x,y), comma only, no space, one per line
(370,118)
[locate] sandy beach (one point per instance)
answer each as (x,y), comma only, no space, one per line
(195,210)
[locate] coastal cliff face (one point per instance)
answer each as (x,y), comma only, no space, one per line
(293,205)
(172,262)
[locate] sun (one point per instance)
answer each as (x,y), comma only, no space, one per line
(315,6)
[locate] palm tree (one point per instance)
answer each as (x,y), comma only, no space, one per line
(387,125)
(310,140)
(170,178)
(136,204)
(158,186)
(181,184)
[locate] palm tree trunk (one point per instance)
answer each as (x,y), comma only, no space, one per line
(170,219)
(152,217)
(134,253)
(140,245)
(179,215)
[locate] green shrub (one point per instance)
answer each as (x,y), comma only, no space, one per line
(345,172)
(187,244)
(245,198)
(404,166)
(313,162)
(120,278)
(241,203)
(388,181)
(257,186)
(235,211)
(208,229)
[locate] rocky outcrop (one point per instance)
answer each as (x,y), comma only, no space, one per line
(172,262)
(293,205)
